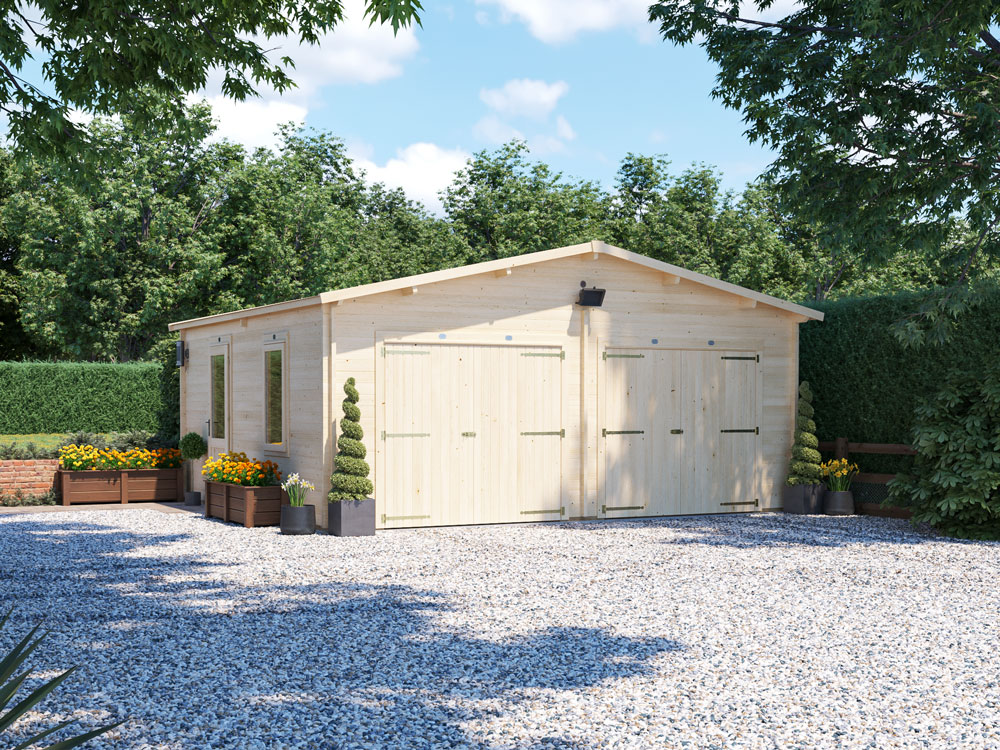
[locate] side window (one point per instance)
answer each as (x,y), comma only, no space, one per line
(275,395)
(219,396)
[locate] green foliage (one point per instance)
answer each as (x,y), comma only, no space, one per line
(804,467)
(350,478)
(63,396)
(193,446)
(11,681)
(869,384)
(955,481)
(883,116)
(102,62)
(20,498)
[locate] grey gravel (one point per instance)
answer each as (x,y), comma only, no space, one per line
(764,631)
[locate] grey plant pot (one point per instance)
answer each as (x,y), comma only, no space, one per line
(192,498)
(352,518)
(793,498)
(813,498)
(298,519)
(839,503)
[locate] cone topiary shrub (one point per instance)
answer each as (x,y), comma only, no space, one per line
(350,477)
(804,467)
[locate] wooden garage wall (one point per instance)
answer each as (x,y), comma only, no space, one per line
(534,305)
(305,397)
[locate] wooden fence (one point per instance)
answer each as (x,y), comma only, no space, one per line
(843,448)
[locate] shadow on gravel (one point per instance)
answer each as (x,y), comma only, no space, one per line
(746,531)
(202,663)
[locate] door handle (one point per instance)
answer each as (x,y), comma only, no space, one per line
(676,432)
(468,434)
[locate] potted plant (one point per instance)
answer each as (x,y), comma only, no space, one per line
(803,491)
(297,517)
(193,447)
(244,490)
(839,500)
(88,474)
(352,510)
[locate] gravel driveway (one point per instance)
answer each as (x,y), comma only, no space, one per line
(763,631)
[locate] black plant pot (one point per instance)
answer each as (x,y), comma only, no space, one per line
(352,518)
(813,498)
(793,498)
(839,503)
(298,519)
(192,498)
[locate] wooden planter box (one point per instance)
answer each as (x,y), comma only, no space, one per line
(121,486)
(250,506)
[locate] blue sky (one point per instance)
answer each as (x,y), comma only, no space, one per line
(583,81)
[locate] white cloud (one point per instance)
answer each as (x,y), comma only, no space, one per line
(564,130)
(494,130)
(542,145)
(353,53)
(253,122)
(554,21)
(525,97)
(420,169)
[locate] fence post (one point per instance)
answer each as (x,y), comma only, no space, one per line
(840,448)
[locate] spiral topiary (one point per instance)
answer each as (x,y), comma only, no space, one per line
(805,463)
(350,477)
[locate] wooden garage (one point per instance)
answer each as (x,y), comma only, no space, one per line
(490,395)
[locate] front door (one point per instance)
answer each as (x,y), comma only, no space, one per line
(219,385)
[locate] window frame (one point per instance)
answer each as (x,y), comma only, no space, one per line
(276,341)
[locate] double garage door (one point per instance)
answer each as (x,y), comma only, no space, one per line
(471,434)
(475,434)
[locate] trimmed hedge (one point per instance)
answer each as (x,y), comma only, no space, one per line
(867,386)
(43,397)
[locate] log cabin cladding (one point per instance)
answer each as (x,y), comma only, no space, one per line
(489,396)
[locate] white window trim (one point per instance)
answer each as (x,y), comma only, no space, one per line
(275,341)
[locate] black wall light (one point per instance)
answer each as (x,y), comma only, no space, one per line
(181,353)
(592,297)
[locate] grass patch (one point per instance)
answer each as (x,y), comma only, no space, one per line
(41,439)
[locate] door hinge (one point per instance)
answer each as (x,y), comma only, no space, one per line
(560,433)
(605,355)
(755,358)
(606,508)
(560,354)
(403,351)
(605,433)
(560,511)
(404,434)
(755,503)
(754,430)
(402,518)
(468,434)
(677,432)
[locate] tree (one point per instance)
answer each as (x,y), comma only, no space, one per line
(99,58)
(502,205)
(885,116)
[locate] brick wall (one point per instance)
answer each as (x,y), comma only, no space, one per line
(32,477)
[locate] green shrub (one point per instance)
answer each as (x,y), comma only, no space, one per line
(350,479)
(193,446)
(46,397)
(20,498)
(804,466)
(955,481)
(868,385)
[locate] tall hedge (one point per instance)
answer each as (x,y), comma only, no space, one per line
(867,385)
(40,397)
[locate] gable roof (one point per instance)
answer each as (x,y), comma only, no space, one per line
(596,247)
